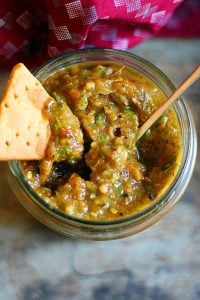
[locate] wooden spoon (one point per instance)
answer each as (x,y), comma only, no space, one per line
(178,92)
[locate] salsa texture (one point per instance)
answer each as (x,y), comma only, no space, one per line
(93,168)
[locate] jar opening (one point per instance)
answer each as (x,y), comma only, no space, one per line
(173,192)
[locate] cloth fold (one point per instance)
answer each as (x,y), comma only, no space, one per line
(31,31)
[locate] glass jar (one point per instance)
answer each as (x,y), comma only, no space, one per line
(106,230)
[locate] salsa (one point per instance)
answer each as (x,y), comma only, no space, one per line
(93,168)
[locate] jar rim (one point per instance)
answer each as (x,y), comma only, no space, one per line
(187,160)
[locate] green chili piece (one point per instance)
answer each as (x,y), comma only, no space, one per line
(129,112)
(83,102)
(163,119)
(63,150)
(102,71)
(57,97)
(104,138)
(118,190)
(118,181)
(56,126)
(100,118)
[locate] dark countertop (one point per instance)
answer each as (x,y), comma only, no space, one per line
(161,263)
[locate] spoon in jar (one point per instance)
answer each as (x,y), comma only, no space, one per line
(177,93)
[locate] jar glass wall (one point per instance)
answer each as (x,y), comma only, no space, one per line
(105,230)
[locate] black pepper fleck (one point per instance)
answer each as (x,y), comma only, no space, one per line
(152,196)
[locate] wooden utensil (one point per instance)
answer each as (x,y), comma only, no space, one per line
(178,92)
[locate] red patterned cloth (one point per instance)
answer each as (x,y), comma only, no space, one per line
(35,30)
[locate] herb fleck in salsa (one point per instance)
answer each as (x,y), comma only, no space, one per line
(92,168)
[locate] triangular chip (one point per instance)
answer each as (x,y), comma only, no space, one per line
(24,130)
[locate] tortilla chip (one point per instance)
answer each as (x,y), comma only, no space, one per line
(24,130)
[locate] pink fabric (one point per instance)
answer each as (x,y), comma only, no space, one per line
(34,30)
(185,23)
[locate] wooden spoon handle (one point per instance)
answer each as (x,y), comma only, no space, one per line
(178,92)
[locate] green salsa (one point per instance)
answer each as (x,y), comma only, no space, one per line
(93,168)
